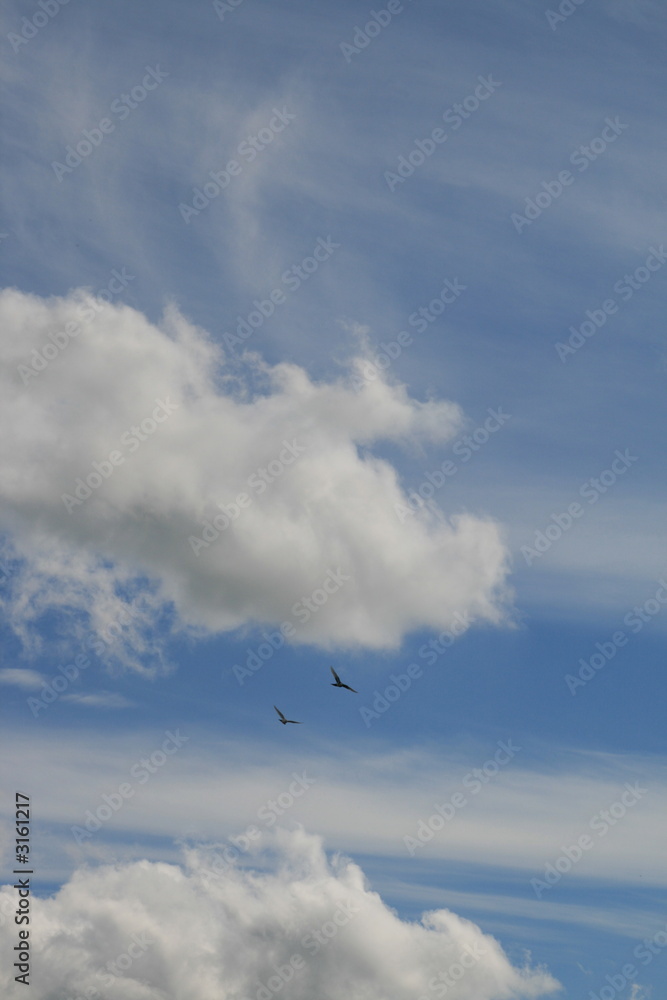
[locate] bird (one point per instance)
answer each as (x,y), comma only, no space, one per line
(339,683)
(284,720)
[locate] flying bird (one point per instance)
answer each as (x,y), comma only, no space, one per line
(339,683)
(284,720)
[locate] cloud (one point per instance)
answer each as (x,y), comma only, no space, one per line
(208,929)
(362,802)
(130,437)
(644,13)
(29,679)
(103,699)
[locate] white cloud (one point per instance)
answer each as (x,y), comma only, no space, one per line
(204,933)
(103,699)
(332,507)
(361,802)
(500,909)
(29,679)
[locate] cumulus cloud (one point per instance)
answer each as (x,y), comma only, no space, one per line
(240,492)
(293,925)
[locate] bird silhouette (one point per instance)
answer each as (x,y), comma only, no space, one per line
(339,683)
(284,720)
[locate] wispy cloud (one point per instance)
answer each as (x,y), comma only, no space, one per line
(101,699)
(520,816)
(23,678)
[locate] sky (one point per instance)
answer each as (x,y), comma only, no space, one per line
(330,337)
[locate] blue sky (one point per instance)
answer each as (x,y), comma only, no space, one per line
(570,123)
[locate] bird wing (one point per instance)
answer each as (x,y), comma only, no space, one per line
(279,712)
(336,677)
(350,689)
